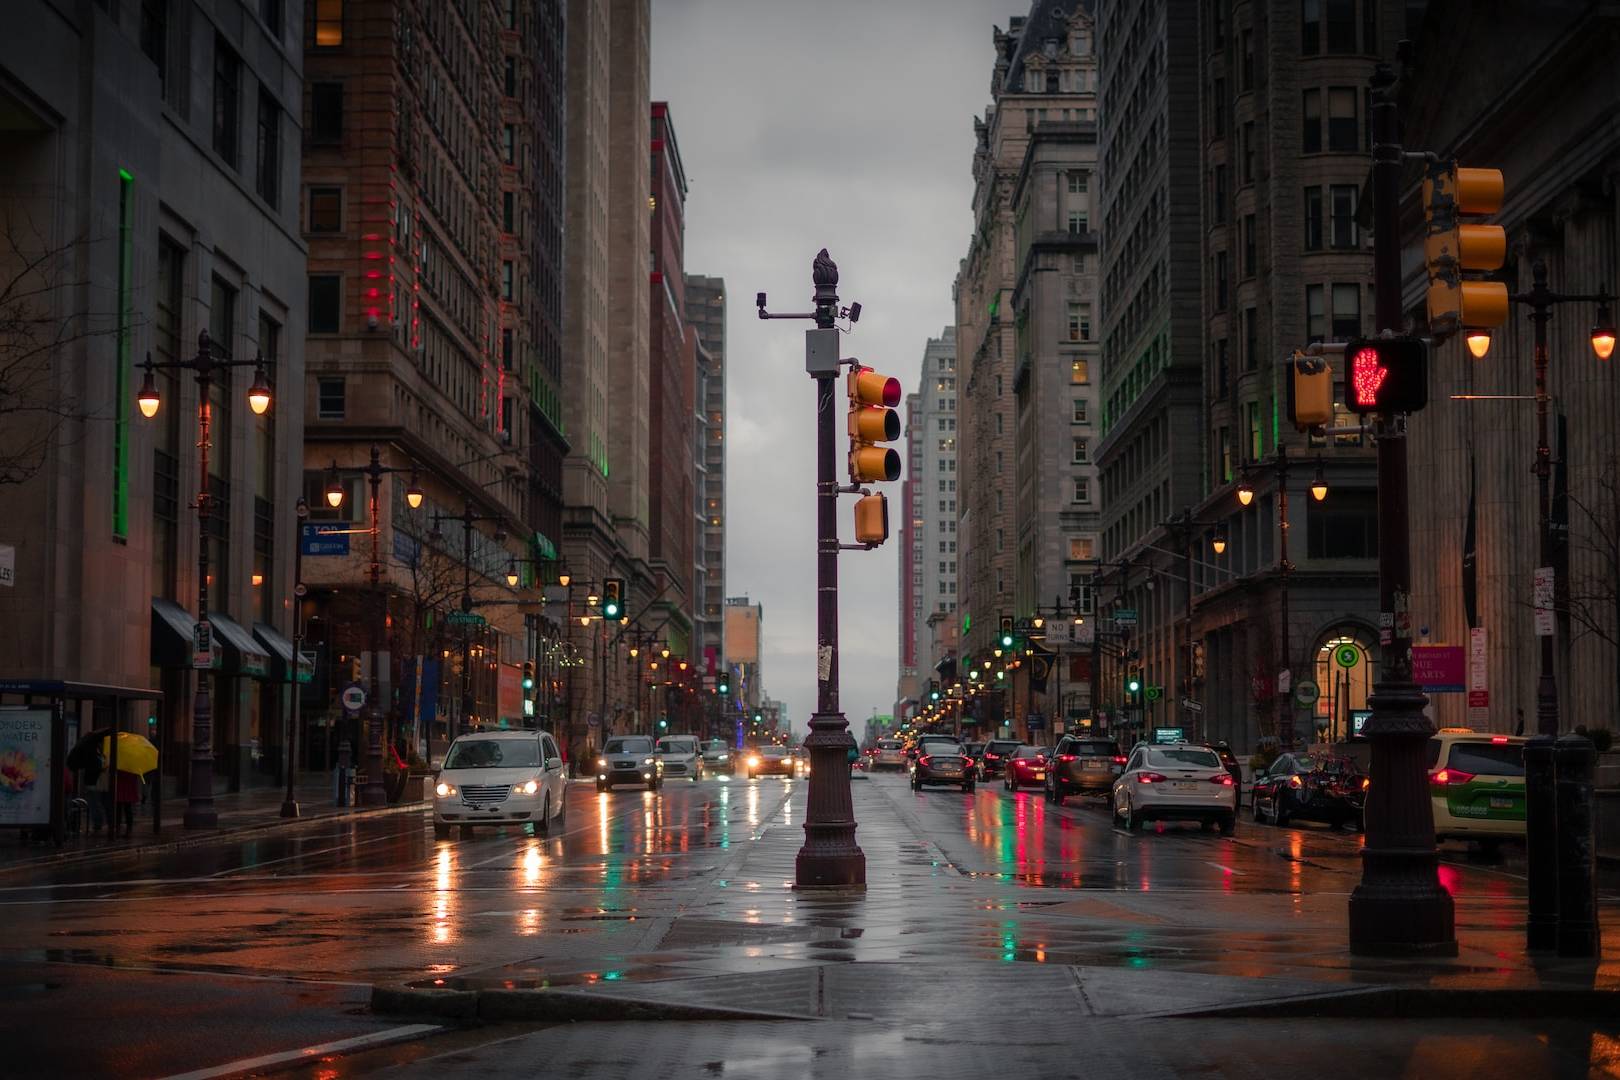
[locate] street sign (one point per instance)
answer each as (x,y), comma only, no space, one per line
(202,646)
(1125,616)
(465,618)
(1192,706)
(1306,693)
(325,537)
(1347,655)
(1285,679)
(1169,734)
(353,697)
(1154,693)
(1542,597)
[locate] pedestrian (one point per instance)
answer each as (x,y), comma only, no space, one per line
(1520,729)
(126,793)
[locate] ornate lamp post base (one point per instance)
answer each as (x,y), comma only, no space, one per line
(830,858)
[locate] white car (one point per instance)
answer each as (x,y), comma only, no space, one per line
(1175,782)
(891,754)
(500,778)
(629,759)
(680,756)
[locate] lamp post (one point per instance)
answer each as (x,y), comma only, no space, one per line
(467,518)
(374,793)
(1184,527)
(289,805)
(209,362)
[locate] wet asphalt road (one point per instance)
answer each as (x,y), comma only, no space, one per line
(195,959)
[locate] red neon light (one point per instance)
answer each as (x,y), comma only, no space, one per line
(1366,376)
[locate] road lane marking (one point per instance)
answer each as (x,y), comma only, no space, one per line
(1227,869)
(310,1053)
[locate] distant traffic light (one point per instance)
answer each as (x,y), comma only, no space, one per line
(1386,375)
(662,723)
(1453,247)
(1133,688)
(528,674)
(872,420)
(725,687)
(613,599)
(1006,631)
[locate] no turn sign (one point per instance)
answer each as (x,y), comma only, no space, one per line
(353,697)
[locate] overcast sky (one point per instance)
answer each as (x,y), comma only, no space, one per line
(838,124)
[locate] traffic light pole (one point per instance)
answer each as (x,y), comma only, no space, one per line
(1399,908)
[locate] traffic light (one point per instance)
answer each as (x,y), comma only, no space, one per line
(662,723)
(1453,247)
(1133,688)
(1310,392)
(1006,632)
(725,687)
(528,674)
(872,420)
(872,519)
(1386,375)
(613,599)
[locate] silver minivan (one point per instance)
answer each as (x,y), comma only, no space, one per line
(500,778)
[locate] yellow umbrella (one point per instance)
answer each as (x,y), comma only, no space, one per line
(136,754)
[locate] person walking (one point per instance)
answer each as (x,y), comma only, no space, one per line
(126,794)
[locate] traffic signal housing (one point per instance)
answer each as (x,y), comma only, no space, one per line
(1311,392)
(1453,247)
(613,599)
(871,519)
(872,420)
(1133,688)
(1386,375)
(528,674)
(1006,637)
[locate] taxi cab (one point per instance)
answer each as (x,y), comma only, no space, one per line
(1476,784)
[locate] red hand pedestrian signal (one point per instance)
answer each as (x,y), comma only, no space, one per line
(1386,375)
(1367,374)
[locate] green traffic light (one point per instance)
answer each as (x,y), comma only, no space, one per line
(1134,685)
(528,684)
(1006,641)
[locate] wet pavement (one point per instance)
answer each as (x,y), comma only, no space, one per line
(977,905)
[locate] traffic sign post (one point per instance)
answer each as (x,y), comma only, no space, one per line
(1306,692)
(1347,655)
(202,651)
(1125,616)
(352,698)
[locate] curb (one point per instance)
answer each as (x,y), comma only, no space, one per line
(61,858)
(496,1006)
(1425,1003)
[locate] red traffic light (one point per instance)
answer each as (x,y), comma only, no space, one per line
(1386,375)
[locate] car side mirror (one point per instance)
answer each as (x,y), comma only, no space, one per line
(554,763)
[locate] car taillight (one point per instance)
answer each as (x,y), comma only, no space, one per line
(1499,740)
(1150,778)
(1224,779)
(1450,777)
(967,763)
(924,760)
(1294,781)
(988,756)
(1119,759)
(1066,757)
(1366,782)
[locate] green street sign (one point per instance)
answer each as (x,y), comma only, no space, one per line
(1154,693)
(1347,656)
(465,618)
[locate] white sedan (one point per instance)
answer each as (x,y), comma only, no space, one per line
(1175,782)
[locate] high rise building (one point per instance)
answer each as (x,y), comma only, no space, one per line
(149,197)
(906,690)
(706,311)
(928,523)
(745,622)
(1043,74)
(433,204)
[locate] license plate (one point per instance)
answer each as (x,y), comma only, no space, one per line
(950,772)
(1040,776)
(1185,785)
(1500,803)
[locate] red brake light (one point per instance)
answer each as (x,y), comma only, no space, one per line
(924,760)
(967,763)
(1224,779)
(1150,778)
(988,756)
(1065,757)
(1119,759)
(1450,777)
(1295,781)
(1499,740)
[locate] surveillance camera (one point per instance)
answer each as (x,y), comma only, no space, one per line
(759,299)
(855,313)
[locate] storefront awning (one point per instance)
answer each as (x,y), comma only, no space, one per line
(173,635)
(281,655)
(243,655)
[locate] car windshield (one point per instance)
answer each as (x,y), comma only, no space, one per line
(715,746)
(629,745)
(677,744)
(493,754)
(1182,756)
(773,751)
(888,744)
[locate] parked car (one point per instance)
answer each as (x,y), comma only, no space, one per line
(769,760)
(680,756)
(1175,782)
(942,763)
(500,777)
(1025,767)
(1476,784)
(628,759)
(1310,787)
(717,757)
(891,754)
(1082,765)
(996,753)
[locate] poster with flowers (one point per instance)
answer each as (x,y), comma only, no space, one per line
(25,767)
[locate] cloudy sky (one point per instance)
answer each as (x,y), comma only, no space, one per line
(840,124)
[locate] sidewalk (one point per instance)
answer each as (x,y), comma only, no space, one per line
(239,812)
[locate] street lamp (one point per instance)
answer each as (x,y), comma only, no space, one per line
(1217,541)
(467,518)
(1245,490)
(1245,494)
(1603,333)
(209,362)
(1319,484)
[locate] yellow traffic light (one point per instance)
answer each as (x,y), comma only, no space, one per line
(1453,247)
(872,420)
(1313,392)
(871,520)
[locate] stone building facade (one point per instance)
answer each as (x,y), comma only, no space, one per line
(928,580)
(706,311)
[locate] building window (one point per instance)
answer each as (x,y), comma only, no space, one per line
(1341,25)
(1223,365)
(1251,411)
(1224,441)
(1249,246)
(1343,136)
(1248,151)
(509,144)
(268,178)
(1310,27)
(328,23)
(1251,339)
(1344,527)
(1346,312)
(1313,219)
(227,100)
(1217,119)
(222,318)
(1222,276)
(1218,211)
(270,15)
(1315,313)
(1082,490)
(330,399)
(1077,222)
(508,209)
(1342,201)
(1080,457)
(1077,182)
(326,112)
(1311,117)
(1080,415)
(506,279)
(1079,370)
(1082,548)
(155,37)
(1247,73)
(325,210)
(325,303)
(1079,322)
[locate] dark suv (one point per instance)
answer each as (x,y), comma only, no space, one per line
(1082,765)
(996,753)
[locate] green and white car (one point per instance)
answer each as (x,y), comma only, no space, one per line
(1476,783)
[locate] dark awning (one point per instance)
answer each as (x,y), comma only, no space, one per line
(281,655)
(243,655)
(173,635)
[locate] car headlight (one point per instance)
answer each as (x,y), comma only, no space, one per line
(753,762)
(648,761)
(725,757)
(601,763)
(529,787)
(444,790)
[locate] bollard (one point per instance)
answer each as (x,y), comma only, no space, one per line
(344,754)
(1578,934)
(1541,842)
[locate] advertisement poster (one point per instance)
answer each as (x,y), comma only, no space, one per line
(1439,669)
(26,771)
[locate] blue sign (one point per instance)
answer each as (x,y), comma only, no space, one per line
(1035,722)
(407,549)
(325,537)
